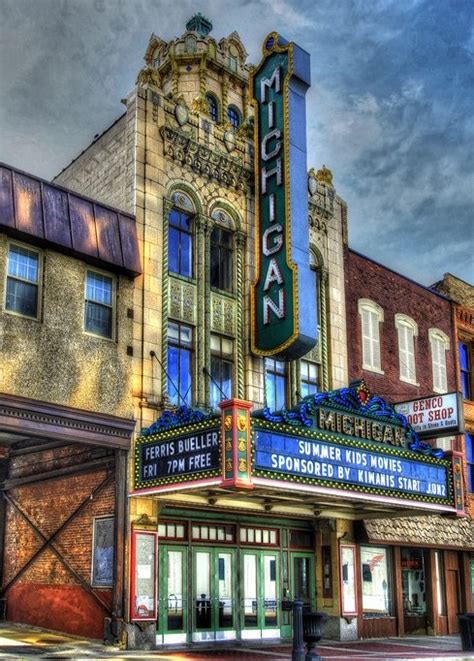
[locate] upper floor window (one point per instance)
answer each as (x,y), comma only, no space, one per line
(180,243)
(234,117)
(212,107)
(407,330)
(221,368)
(275,383)
(371,316)
(439,343)
(180,368)
(469,452)
(465,364)
(221,258)
(309,378)
(99,304)
(22,287)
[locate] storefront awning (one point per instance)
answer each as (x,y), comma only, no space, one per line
(425,531)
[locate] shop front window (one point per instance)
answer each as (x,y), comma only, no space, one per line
(413,582)
(376,584)
(439,581)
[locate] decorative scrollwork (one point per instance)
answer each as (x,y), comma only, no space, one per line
(182,148)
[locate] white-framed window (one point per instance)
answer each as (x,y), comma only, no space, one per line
(22,290)
(99,304)
(371,316)
(407,330)
(439,343)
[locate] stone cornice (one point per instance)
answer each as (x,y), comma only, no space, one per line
(205,161)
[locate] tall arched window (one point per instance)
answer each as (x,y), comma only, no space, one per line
(371,316)
(221,258)
(180,243)
(439,343)
(213,107)
(407,330)
(234,117)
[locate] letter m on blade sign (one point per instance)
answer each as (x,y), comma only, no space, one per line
(280,325)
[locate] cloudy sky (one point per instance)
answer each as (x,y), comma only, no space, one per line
(390,110)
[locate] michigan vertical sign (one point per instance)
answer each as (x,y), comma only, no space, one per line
(281,326)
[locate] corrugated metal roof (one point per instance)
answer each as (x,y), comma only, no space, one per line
(36,210)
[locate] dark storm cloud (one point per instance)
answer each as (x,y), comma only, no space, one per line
(390,109)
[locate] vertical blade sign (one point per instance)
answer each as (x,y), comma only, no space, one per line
(280,327)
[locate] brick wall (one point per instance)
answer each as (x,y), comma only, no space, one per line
(395,294)
(48,594)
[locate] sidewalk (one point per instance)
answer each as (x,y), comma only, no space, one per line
(18,641)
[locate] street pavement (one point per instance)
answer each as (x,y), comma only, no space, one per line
(25,642)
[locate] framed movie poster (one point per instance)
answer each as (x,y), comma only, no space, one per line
(143,576)
(348,580)
(103,552)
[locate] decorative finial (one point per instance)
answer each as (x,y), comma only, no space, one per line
(324,176)
(200,24)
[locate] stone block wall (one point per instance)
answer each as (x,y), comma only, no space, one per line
(104,170)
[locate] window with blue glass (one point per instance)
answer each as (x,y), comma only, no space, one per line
(308,378)
(99,304)
(180,363)
(275,384)
(234,117)
(469,452)
(22,290)
(465,357)
(221,259)
(212,107)
(180,243)
(222,349)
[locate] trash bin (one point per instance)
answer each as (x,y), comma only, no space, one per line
(312,627)
(466,629)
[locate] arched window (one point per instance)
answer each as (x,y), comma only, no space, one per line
(407,330)
(439,343)
(371,316)
(180,243)
(221,259)
(213,107)
(234,117)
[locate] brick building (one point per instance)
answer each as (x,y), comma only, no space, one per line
(461,295)
(247,482)
(403,344)
(66,417)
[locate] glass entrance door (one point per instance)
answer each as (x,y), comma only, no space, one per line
(302,578)
(260,588)
(214,616)
(172,602)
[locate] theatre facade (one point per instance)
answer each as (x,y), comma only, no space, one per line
(255,509)
(256,471)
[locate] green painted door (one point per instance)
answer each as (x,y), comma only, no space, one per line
(302,579)
(214,590)
(172,594)
(260,594)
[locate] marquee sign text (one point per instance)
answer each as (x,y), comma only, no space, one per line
(316,461)
(188,455)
